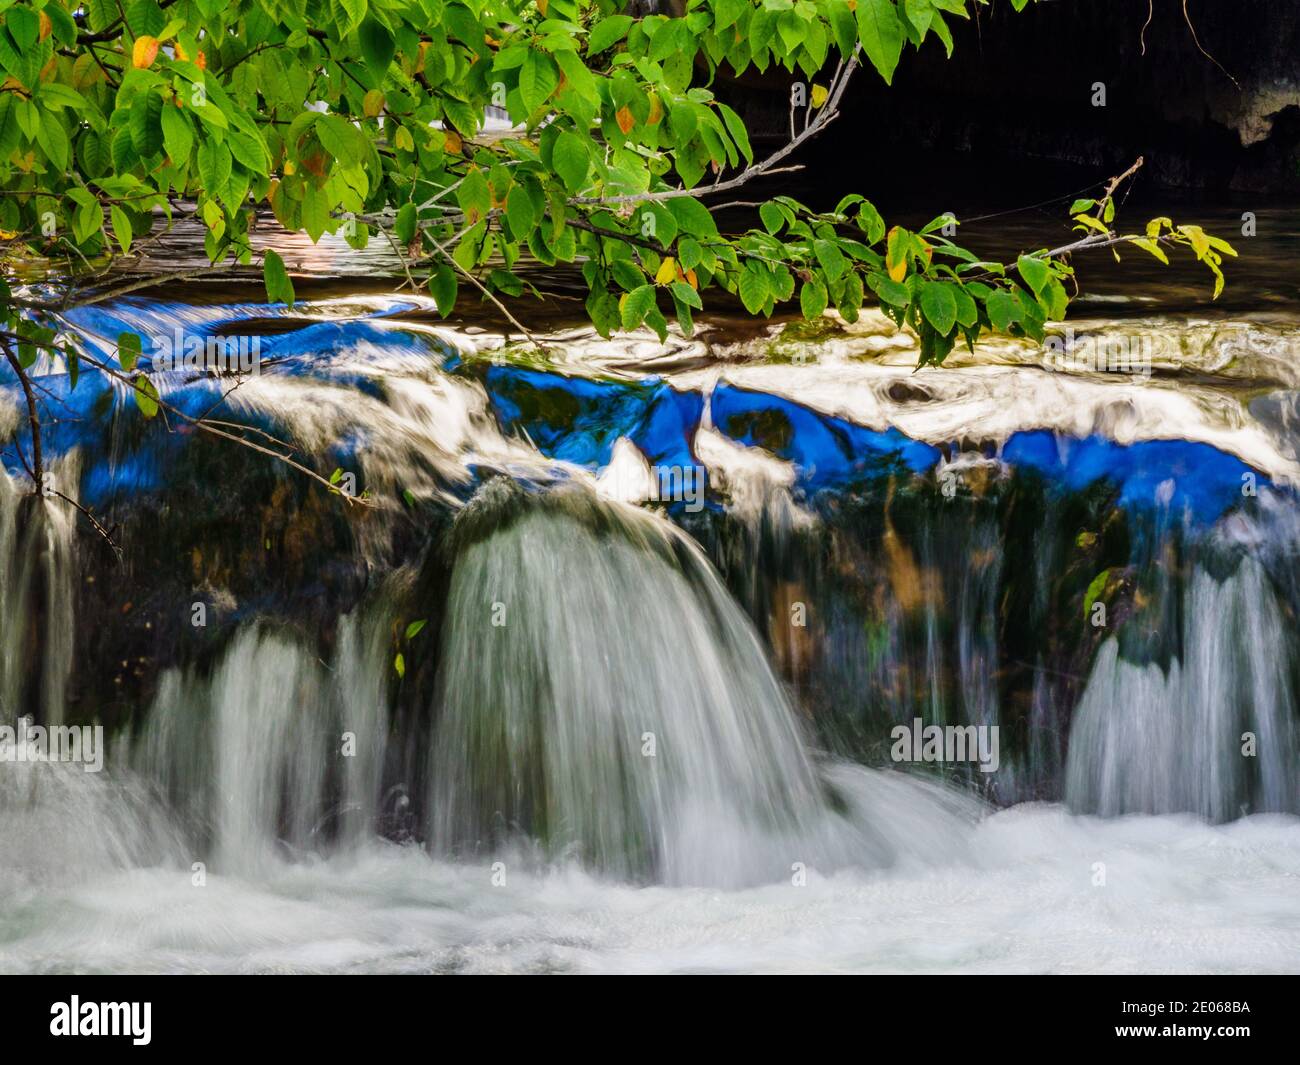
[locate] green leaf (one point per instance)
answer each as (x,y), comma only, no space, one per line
(146,124)
(772,217)
(571,160)
(754,288)
(121,227)
(831,258)
(442,286)
(315,211)
(474,196)
(736,128)
(687,295)
(636,305)
(404,224)
(939,306)
(215,165)
(128,350)
(1035,271)
(337,136)
(1095,588)
(881,34)
(870,222)
(124,155)
(413,629)
(520,212)
(279,288)
(24,24)
(812,299)
(693,217)
(178,136)
(608,32)
(1003,309)
(890,291)
(537,79)
(146,396)
(377,46)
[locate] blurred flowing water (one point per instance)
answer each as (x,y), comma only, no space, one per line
(602,668)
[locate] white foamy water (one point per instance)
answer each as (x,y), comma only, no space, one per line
(1017,896)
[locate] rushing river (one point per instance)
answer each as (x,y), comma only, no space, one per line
(662,612)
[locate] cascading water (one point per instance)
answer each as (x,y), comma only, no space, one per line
(274,753)
(602,694)
(1213,732)
(36,597)
(593,728)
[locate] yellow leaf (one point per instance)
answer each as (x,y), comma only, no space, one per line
(403,140)
(1152,248)
(624,119)
(372,103)
(1087,221)
(144,52)
(667,272)
(656,111)
(46,25)
(819,94)
(542,5)
(453,143)
(898,271)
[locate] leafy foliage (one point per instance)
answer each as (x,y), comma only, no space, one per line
(365,118)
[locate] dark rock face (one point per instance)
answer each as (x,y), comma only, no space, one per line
(1214,106)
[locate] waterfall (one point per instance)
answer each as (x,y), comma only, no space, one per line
(36,596)
(274,752)
(602,695)
(1214,733)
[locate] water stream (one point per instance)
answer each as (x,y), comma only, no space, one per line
(660,612)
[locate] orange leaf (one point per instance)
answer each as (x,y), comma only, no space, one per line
(46,25)
(542,5)
(624,119)
(144,52)
(691,279)
(453,143)
(656,111)
(202,61)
